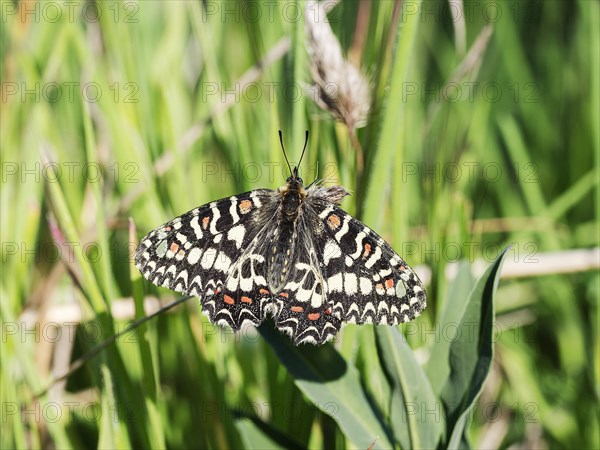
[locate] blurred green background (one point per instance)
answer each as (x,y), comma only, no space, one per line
(483,132)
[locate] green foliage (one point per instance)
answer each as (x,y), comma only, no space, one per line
(482,134)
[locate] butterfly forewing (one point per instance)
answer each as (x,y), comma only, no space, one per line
(198,251)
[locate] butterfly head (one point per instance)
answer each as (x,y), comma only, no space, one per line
(294,181)
(293,184)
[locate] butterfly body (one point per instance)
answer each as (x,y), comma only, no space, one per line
(291,253)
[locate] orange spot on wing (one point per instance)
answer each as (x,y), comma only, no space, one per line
(314,316)
(264,291)
(174,247)
(205,222)
(284,294)
(389,283)
(297,308)
(229,300)
(333,221)
(379,286)
(246,300)
(367,250)
(245,206)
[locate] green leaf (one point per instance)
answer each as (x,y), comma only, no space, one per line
(471,352)
(253,437)
(113,432)
(416,416)
(334,386)
(256,433)
(390,145)
(438,365)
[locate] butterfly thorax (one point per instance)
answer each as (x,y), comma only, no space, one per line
(282,248)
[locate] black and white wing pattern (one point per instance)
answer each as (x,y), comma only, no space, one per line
(348,274)
(209,252)
(291,253)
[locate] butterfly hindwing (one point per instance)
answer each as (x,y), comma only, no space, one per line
(302,310)
(244,295)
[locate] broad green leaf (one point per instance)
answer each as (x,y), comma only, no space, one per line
(334,386)
(416,415)
(438,365)
(471,352)
(458,438)
(258,434)
(253,437)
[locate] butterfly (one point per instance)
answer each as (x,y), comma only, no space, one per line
(291,253)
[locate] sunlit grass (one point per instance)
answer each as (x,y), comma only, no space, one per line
(126,117)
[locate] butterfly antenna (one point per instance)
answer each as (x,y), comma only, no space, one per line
(284,155)
(305,143)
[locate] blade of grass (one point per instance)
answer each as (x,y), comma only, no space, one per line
(389,145)
(575,194)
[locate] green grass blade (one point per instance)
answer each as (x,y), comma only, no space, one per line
(389,146)
(113,432)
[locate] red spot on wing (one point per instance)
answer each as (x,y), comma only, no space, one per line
(205,222)
(245,206)
(246,300)
(284,294)
(264,291)
(297,309)
(217,290)
(367,250)
(168,228)
(174,247)
(314,316)
(389,283)
(333,221)
(229,300)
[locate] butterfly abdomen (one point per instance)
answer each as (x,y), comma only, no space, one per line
(284,240)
